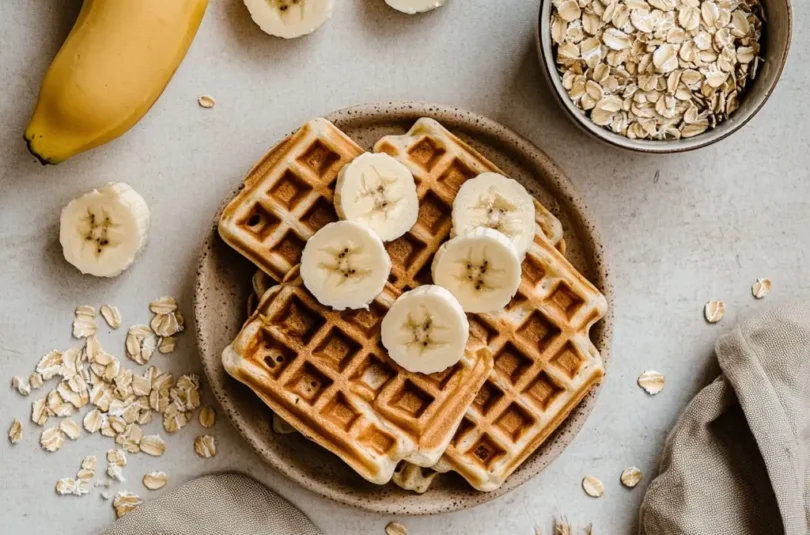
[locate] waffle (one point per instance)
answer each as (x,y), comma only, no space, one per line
(287,197)
(545,362)
(327,374)
(405,416)
(441,163)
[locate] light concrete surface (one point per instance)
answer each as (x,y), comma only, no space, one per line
(680,230)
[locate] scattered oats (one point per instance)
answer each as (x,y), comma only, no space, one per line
(206,101)
(130,438)
(65,486)
(153,445)
(163,305)
(116,461)
(111,315)
(593,487)
(52,439)
(35,380)
(57,406)
(71,429)
(761,288)
(106,495)
(22,386)
(207,417)
(84,324)
(205,446)
(141,343)
(714,311)
(174,418)
(15,432)
(155,480)
(125,502)
(39,412)
(395,528)
(141,385)
(167,345)
(631,477)
(88,470)
(50,365)
(652,382)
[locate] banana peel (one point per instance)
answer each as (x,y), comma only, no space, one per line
(113,66)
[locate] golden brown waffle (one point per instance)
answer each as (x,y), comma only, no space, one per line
(327,374)
(545,362)
(441,163)
(287,197)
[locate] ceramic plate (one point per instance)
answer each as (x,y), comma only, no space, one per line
(224,283)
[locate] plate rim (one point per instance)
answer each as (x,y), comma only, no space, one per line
(574,205)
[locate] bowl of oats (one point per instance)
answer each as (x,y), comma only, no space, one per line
(663,76)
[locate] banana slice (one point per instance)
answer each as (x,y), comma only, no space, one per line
(494,201)
(425,330)
(415,6)
(377,191)
(481,269)
(289,18)
(345,265)
(103,231)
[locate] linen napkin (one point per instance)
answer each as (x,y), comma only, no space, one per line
(738,460)
(223,504)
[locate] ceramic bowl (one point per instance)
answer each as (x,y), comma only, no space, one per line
(775,45)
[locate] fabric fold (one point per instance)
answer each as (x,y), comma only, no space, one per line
(738,459)
(222,504)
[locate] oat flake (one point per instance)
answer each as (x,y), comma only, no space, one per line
(15,432)
(761,288)
(714,311)
(206,101)
(593,487)
(71,429)
(155,480)
(52,439)
(652,382)
(125,502)
(631,477)
(153,445)
(111,315)
(205,446)
(207,417)
(395,528)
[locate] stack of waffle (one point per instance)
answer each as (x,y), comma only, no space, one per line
(327,374)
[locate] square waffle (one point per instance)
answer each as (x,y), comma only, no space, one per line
(287,197)
(327,374)
(545,362)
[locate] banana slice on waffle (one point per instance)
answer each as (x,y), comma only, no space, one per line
(493,201)
(377,191)
(345,265)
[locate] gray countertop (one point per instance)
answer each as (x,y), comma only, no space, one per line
(679,230)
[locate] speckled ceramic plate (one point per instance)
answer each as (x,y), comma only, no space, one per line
(223,285)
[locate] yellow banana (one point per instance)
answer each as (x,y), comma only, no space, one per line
(113,66)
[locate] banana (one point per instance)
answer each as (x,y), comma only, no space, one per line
(481,269)
(289,18)
(379,192)
(103,231)
(494,201)
(113,66)
(425,330)
(415,6)
(345,265)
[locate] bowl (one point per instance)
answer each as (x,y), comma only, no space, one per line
(775,43)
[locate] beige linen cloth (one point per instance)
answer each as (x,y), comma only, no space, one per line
(738,460)
(223,504)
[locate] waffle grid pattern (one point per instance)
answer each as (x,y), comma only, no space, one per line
(327,374)
(288,197)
